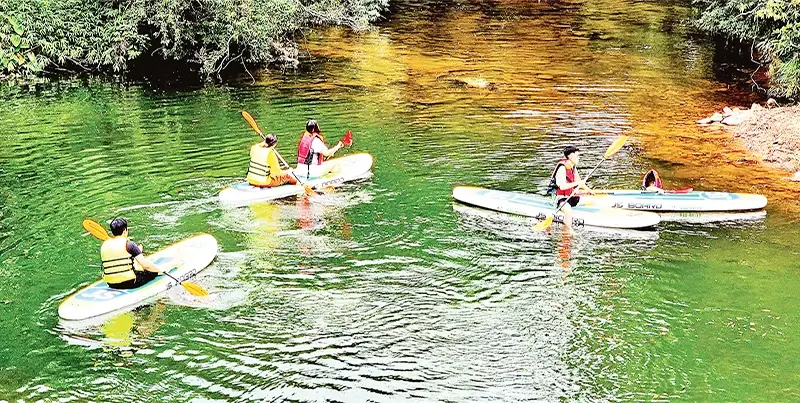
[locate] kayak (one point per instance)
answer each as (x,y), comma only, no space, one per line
(538,206)
(348,168)
(187,258)
(683,202)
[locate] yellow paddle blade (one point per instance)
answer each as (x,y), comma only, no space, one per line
(615,146)
(95,229)
(309,190)
(194,289)
(252,122)
(543,225)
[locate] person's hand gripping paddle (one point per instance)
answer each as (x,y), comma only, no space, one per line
(100,233)
(612,149)
(309,191)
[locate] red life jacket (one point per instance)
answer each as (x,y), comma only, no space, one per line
(304,154)
(651,176)
(567,164)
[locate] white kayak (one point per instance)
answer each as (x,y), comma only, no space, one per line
(683,202)
(539,207)
(187,258)
(348,168)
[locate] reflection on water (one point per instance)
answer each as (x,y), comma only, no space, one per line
(379,290)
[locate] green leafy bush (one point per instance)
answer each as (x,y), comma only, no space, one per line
(773,26)
(16,55)
(107,35)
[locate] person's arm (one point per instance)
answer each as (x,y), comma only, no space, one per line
(138,256)
(561,179)
(319,147)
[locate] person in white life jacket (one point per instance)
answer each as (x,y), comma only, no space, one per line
(565,179)
(651,182)
(118,255)
(312,151)
(265,170)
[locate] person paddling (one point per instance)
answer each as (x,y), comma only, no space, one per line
(118,254)
(651,182)
(564,179)
(264,170)
(312,151)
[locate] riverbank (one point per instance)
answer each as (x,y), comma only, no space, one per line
(773,135)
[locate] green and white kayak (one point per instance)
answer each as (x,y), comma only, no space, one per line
(187,258)
(539,207)
(677,202)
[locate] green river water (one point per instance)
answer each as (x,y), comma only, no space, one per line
(386,290)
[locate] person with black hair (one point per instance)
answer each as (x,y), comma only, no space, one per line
(564,180)
(118,255)
(312,151)
(651,182)
(264,170)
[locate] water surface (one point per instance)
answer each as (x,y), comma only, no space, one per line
(386,290)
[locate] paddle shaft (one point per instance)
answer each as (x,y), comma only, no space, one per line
(291,171)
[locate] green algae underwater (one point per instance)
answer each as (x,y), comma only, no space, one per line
(387,290)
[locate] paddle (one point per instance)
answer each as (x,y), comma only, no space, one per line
(309,191)
(100,233)
(612,149)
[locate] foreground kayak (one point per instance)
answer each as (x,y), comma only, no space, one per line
(349,168)
(684,202)
(539,207)
(187,258)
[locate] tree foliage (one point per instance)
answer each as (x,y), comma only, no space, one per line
(773,26)
(107,35)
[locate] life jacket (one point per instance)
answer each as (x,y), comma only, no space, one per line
(304,154)
(651,176)
(553,188)
(117,262)
(258,172)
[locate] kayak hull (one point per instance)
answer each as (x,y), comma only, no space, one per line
(539,207)
(349,168)
(677,202)
(186,258)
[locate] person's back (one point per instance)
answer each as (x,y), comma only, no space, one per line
(118,255)
(264,169)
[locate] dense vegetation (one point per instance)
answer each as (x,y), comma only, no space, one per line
(110,35)
(772,26)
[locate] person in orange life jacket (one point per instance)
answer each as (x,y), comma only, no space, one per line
(566,178)
(312,151)
(118,254)
(651,182)
(264,170)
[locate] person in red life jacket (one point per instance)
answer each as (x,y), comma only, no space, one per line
(565,179)
(118,255)
(312,151)
(264,170)
(651,182)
